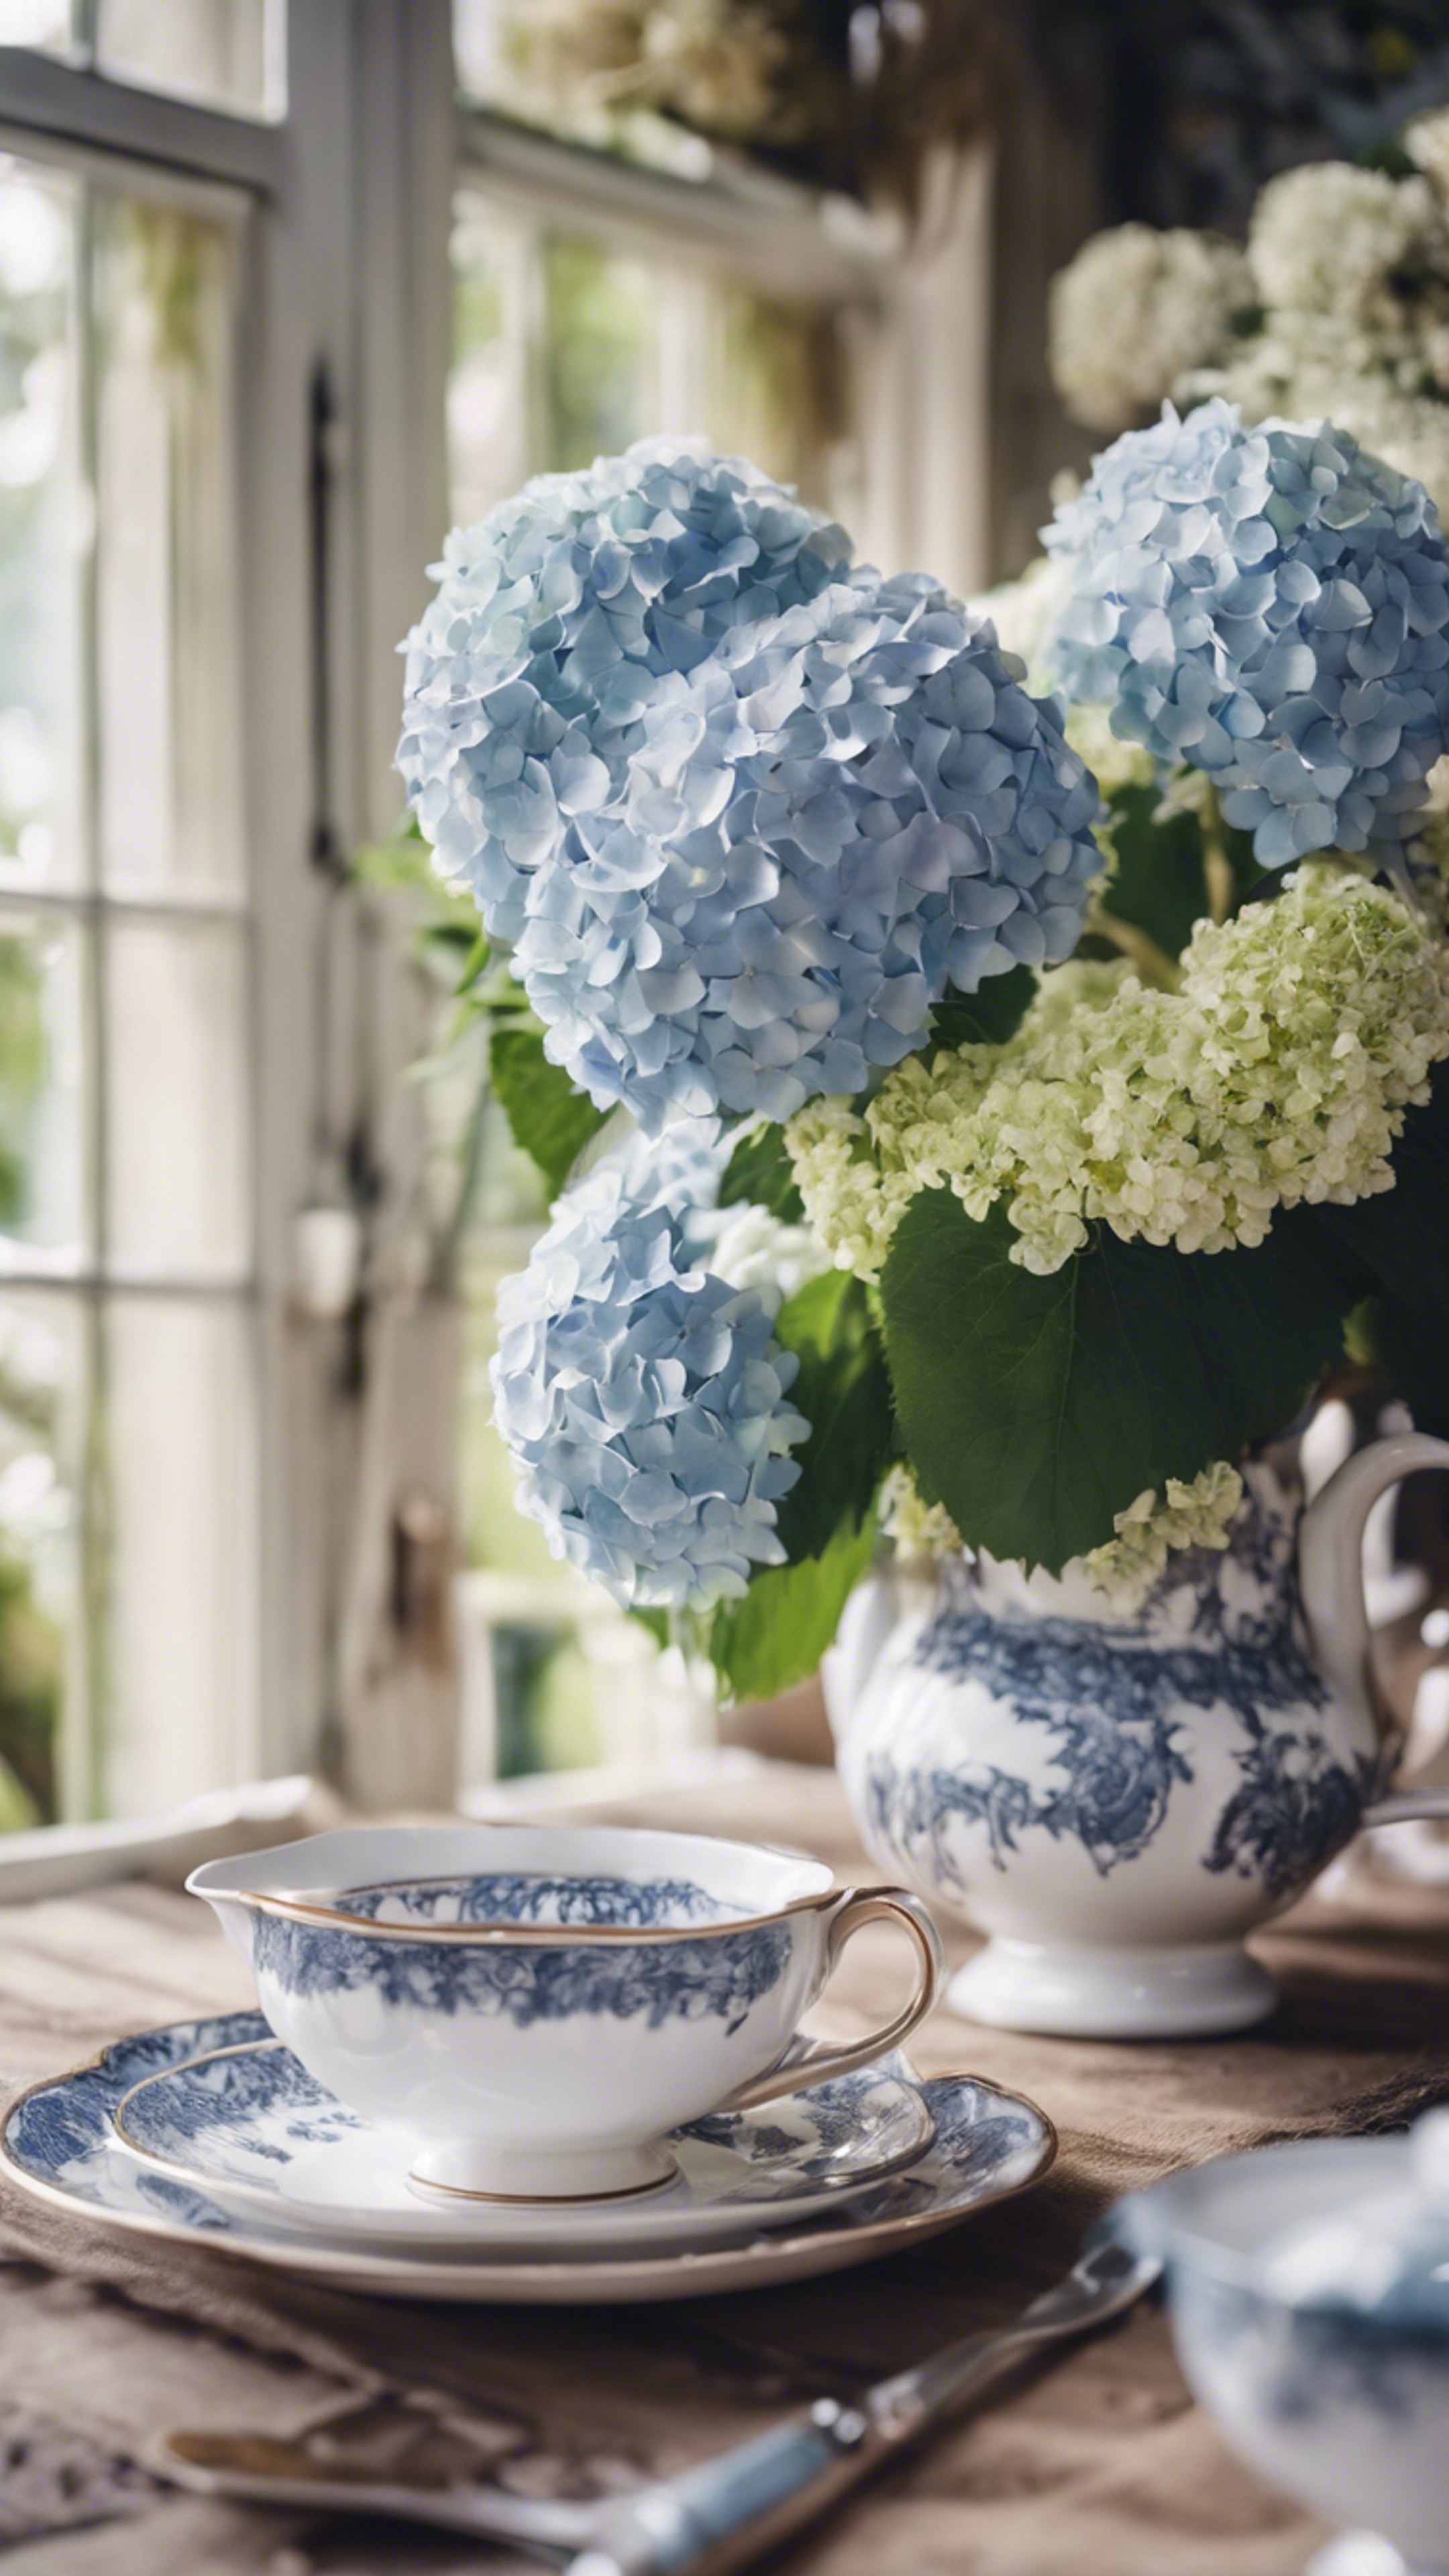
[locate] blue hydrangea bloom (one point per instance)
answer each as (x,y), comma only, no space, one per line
(1269,605)
(556,619)
(642,1398)
(742,830)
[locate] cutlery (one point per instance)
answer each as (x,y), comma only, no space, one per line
(709,2519)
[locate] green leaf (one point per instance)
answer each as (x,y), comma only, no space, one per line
(1158,882)
(549,1119)
(1037,1409)
(990,1015)
(1387,154)
(656,1621)
(844,1392)
(759,1173)
(778,1633)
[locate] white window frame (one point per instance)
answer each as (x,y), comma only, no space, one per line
(344,270)
(348,211)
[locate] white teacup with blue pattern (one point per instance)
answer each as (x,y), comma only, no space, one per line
(535,2007)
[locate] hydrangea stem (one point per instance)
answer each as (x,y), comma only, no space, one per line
(1152,963)
(1217,867)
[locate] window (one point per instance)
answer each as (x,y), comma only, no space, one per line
(236,367)
(568,347)
(222,359)
(221,53)
(125,1120)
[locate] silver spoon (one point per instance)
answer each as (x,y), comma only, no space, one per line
(711,2518)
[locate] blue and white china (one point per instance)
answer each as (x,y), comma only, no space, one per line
(534,2008)
(1118,1799)
(58,2143)
(250,2125)
(1309,2293)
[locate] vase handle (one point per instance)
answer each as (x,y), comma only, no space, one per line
(817,2060)
(1407,1807)
(1330,1562)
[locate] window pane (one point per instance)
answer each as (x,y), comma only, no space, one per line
(166,574)
(490,444)
(177,1150)
(779,391)
(223,53)
(43,532)
(47,26)
(181,1646)
(598,354)
(128,1607)
(558,353)
(41,1683)
(42,1115)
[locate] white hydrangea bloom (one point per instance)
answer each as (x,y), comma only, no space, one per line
(1327,238)
(1278,1072)
(1310,367)
(753,1249)
(1426,142)
(1199,1514)
(1133,311)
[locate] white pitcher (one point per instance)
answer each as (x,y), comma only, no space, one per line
(1117,1800)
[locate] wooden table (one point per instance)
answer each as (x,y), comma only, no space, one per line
(1100,2465)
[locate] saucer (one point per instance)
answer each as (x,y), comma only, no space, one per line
(250,2125)
(58,2143)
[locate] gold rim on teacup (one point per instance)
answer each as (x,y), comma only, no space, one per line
(326,1910)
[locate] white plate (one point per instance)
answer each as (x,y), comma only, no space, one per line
(249,2125)
(58,2143)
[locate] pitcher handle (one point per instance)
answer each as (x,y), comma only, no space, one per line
(1330,1562)
(818,2059)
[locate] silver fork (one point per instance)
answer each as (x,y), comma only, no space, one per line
(711,2518)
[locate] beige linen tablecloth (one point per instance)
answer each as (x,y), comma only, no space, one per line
(1100,2466)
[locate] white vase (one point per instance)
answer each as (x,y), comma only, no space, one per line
(1117,1800)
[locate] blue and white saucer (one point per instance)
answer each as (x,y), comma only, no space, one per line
(250,2125)
(59,2144)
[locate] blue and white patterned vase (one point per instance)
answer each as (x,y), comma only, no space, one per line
(1117,1799)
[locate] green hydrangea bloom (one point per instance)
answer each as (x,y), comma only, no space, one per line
(1198,1514)
(1278,1072)
(1195,1514)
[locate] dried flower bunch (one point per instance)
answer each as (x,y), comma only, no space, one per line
(964,1150)
(854,99)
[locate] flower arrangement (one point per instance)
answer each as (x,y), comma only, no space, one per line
(954,1135)
(1338,307)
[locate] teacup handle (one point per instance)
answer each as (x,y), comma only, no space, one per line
(817,2060)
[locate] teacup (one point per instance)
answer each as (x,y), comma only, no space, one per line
(535,2007)
(1309,2296)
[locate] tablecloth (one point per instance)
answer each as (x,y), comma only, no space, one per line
(1099,2464)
